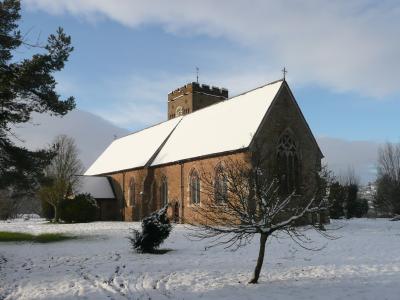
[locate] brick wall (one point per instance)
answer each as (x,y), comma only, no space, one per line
(148,184)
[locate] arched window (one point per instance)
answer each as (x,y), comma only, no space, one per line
(220,185)
(164,191)
(131,193)
(288,164)
(194,187)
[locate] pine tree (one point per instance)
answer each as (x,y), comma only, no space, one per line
(27,86)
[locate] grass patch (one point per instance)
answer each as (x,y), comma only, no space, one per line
(8,236)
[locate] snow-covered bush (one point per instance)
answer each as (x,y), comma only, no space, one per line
(155,229)
(80,209)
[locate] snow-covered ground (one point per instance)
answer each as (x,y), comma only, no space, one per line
(363,264)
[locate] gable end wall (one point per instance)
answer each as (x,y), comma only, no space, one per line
(284,115)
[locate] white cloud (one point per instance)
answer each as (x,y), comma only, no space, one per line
(345,45)
(138,101)
(342,45)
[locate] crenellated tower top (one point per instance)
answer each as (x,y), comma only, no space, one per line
(193,96)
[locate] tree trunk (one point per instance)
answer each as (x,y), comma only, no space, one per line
(260,260)
(56,216)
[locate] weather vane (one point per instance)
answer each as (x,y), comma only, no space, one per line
(284,71)
(197,74)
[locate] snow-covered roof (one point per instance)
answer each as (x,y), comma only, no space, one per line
(226,126)
(98,186)
(134,150)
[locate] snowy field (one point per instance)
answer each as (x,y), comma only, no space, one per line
(363,264)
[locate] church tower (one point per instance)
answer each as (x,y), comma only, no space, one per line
(193,96)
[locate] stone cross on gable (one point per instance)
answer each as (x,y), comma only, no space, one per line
(284,71)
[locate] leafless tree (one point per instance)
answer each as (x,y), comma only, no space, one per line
(13,203)
(348,177)
(62,173)
(8,206)
(389,161)
(242,200)
(388,182)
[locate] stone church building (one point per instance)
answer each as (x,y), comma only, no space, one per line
(161,164)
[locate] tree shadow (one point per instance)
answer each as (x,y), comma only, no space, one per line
(159,251)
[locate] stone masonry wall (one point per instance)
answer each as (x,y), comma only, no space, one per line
(284,115)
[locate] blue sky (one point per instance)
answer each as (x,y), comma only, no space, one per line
(342,60)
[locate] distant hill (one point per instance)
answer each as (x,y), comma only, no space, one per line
(92,133)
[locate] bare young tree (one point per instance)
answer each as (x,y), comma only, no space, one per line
(242,200)
(62,173)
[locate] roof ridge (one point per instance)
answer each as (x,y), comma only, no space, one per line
(223,101)
(256,88)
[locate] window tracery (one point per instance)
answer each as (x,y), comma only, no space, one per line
(288,163)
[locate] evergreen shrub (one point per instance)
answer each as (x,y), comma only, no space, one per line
(155,229)
(80,209)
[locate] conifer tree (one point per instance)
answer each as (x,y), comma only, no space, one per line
(27,86)
(155,229)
